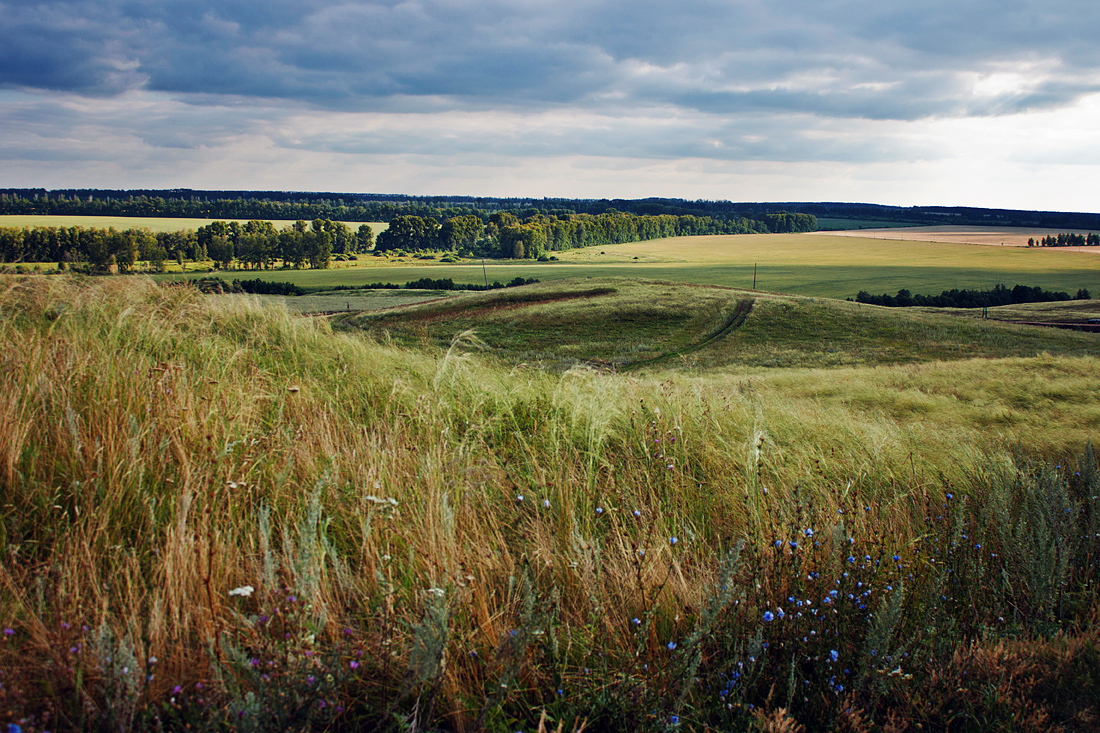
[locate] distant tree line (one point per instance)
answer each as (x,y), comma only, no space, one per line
(254,245)
(267,287)
(507,236)
(294,205)
(1068,239)
(999,295)
(372,207)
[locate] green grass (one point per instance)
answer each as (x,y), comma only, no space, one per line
(600,547)
(153,224)
(802,264)
(628,323)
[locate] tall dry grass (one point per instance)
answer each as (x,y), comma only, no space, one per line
(414,525)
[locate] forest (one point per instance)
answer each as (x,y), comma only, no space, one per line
(254,245)
(258,244)
(507,236)
(375,207)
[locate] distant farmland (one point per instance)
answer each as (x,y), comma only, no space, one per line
(1006,236)
(802,264)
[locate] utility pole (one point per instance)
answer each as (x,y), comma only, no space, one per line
(484,273)
(754,276)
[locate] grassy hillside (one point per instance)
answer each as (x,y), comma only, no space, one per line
(215,515)
(621,323)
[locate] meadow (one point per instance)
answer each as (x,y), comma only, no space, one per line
(801,264)
(217,515)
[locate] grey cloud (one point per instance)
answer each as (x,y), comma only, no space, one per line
(719,56)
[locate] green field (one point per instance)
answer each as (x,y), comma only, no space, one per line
(802,264)
(623,324)
(129,222)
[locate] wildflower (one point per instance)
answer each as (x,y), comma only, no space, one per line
(781,614)
(779,544)
(8,631)
(672,540)
(177,690)
(897,558)
(519,498)
(599,510)
(355,665)
(152,660)
(833,655)
(545,503)
(637,514)
(635,621)
(808,532)
(769,616)
(950,496)
(671,645)
(244,590)
(674,719)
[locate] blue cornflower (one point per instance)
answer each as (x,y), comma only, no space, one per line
(769,616)
(674,719)
(780,613)
(779,544)
(671,645)
(637,514)
(808,532)
(635,621)
(833,655)
(672,540)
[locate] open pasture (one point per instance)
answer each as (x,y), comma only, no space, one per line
(803,264)
(993,236)
(153,224)
(626,324)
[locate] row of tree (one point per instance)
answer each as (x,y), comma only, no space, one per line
(254,244)
(370,207)
(507,236)
(1068,239)
(999,295)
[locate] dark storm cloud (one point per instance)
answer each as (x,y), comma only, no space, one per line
(844,58)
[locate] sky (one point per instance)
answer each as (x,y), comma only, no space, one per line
(990,103)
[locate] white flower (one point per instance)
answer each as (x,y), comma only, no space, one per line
(244,590)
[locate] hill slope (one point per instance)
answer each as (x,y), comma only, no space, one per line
(626,324)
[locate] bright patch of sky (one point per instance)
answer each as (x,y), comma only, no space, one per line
(960,102)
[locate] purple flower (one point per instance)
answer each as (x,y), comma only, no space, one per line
(355,665)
